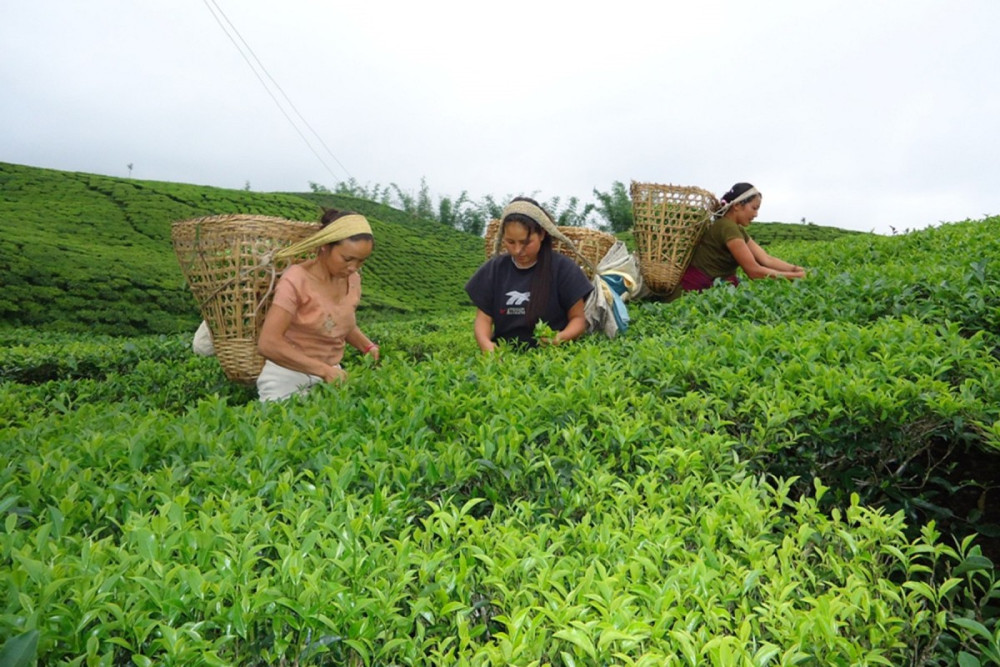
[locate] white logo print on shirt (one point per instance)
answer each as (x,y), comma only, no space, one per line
(515,298)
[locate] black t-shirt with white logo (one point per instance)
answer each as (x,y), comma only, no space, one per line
(503,291)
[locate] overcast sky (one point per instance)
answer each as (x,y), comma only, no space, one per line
(861,115)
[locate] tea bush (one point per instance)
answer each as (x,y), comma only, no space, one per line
(758,476)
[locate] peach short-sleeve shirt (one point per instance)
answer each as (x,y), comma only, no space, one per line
(321,319)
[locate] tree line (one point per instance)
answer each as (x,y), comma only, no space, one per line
(612,211)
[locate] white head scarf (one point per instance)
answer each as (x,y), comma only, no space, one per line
(726,205)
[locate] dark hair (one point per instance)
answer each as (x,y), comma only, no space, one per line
(541,279)
(735,192)
(331,214)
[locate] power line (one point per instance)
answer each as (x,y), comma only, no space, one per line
(213,7)
(280,89)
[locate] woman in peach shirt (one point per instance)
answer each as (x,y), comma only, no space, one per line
(312,318)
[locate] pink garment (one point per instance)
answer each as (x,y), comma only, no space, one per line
(695,279)
(321,319)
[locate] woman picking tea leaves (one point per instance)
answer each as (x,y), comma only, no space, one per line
(530,287)
(312,318)
(726,246)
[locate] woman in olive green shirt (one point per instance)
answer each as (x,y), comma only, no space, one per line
(726,246)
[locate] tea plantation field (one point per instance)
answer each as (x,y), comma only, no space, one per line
(787,473)
(90,253)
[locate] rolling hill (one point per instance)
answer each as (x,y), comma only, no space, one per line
(93,253)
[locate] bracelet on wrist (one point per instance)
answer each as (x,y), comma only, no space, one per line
(369,348)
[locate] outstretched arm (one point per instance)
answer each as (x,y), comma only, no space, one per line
(758,264)
(773,262)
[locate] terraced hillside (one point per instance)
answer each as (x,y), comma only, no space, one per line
(92,253)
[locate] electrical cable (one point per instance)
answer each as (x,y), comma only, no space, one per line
(213,7)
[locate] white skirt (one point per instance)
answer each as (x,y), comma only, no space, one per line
(277,382)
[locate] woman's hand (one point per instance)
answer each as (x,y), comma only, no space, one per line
(335,374)
(575,327)
(546,335)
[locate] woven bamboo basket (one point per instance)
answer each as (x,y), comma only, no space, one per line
(590,243)
(226,260)
(669,222)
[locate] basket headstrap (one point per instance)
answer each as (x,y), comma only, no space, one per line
(342,228)
(526,208)
(726,205)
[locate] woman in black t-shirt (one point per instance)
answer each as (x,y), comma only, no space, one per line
(529,284)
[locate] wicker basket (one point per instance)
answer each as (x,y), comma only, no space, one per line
(226,260)
(590,243)
(669,222)
(490,238)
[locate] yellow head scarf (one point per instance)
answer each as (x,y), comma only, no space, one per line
(342,228)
